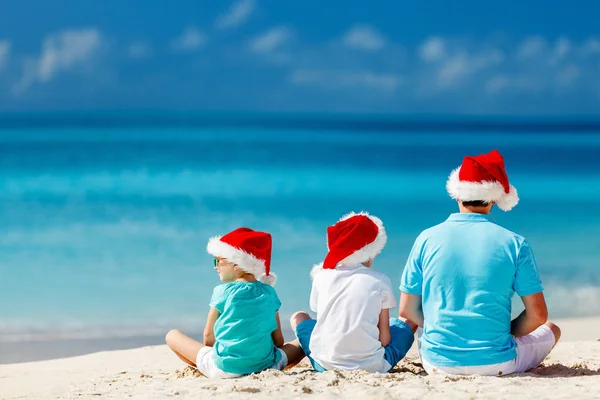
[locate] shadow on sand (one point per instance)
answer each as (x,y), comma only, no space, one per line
(564,371)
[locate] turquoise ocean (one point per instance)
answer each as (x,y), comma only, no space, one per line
(105,224)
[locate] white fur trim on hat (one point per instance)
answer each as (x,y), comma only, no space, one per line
(245,261)
(371,250)
(483,191)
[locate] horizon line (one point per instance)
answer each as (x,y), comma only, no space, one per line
(295,121)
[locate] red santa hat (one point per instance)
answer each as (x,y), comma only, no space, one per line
(248,249)
(483,178)
(354,239)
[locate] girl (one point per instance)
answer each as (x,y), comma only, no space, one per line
(243,333)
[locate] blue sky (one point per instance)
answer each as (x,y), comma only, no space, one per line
(468,57)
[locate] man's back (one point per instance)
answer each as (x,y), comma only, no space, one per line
(467,270)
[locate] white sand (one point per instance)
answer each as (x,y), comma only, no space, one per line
(571,371)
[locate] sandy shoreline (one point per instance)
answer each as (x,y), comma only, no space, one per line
(12,352)
(571,371)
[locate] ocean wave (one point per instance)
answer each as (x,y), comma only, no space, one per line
(563,302)
(572,301)
(300,136)
(33,330)
(267,182)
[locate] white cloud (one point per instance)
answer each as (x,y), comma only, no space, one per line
(454,69)
(66,50)
(497,84)
(531,47)
(63,51)
(450,64)
(190,40)
(591,46)
(521,83)
(271,40)
(462,65)
(347,79)
(4,52)
(550,67)
(138,50)
(562,48)
(237,14)
(433,49)
(568,75)
(440,65)
(364,37)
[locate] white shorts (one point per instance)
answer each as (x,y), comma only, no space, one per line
(531,351)
(205,362)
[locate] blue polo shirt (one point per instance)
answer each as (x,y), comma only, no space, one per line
(467,270)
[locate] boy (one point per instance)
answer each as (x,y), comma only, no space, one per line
(353,329)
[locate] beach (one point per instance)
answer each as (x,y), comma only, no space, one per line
(106,231)
(571,371)
(161,160)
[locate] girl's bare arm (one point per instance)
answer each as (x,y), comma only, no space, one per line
(209,329)
(277,334)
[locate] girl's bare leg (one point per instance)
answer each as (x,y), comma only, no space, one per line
(294,353)
(183,346)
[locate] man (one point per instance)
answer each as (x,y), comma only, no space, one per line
(460,278)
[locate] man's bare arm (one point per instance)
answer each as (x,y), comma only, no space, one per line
(534,315)
(411,308)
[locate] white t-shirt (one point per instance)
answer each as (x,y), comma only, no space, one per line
(348,301)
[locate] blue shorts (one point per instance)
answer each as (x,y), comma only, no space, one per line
(303,333)
(402,340)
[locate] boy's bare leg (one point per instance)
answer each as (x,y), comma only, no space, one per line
(297,318)
(183,346)
(292,349)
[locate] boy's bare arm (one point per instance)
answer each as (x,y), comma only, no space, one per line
(277,334)
(384,327)
(534,315)
(209,328)
(411,308)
